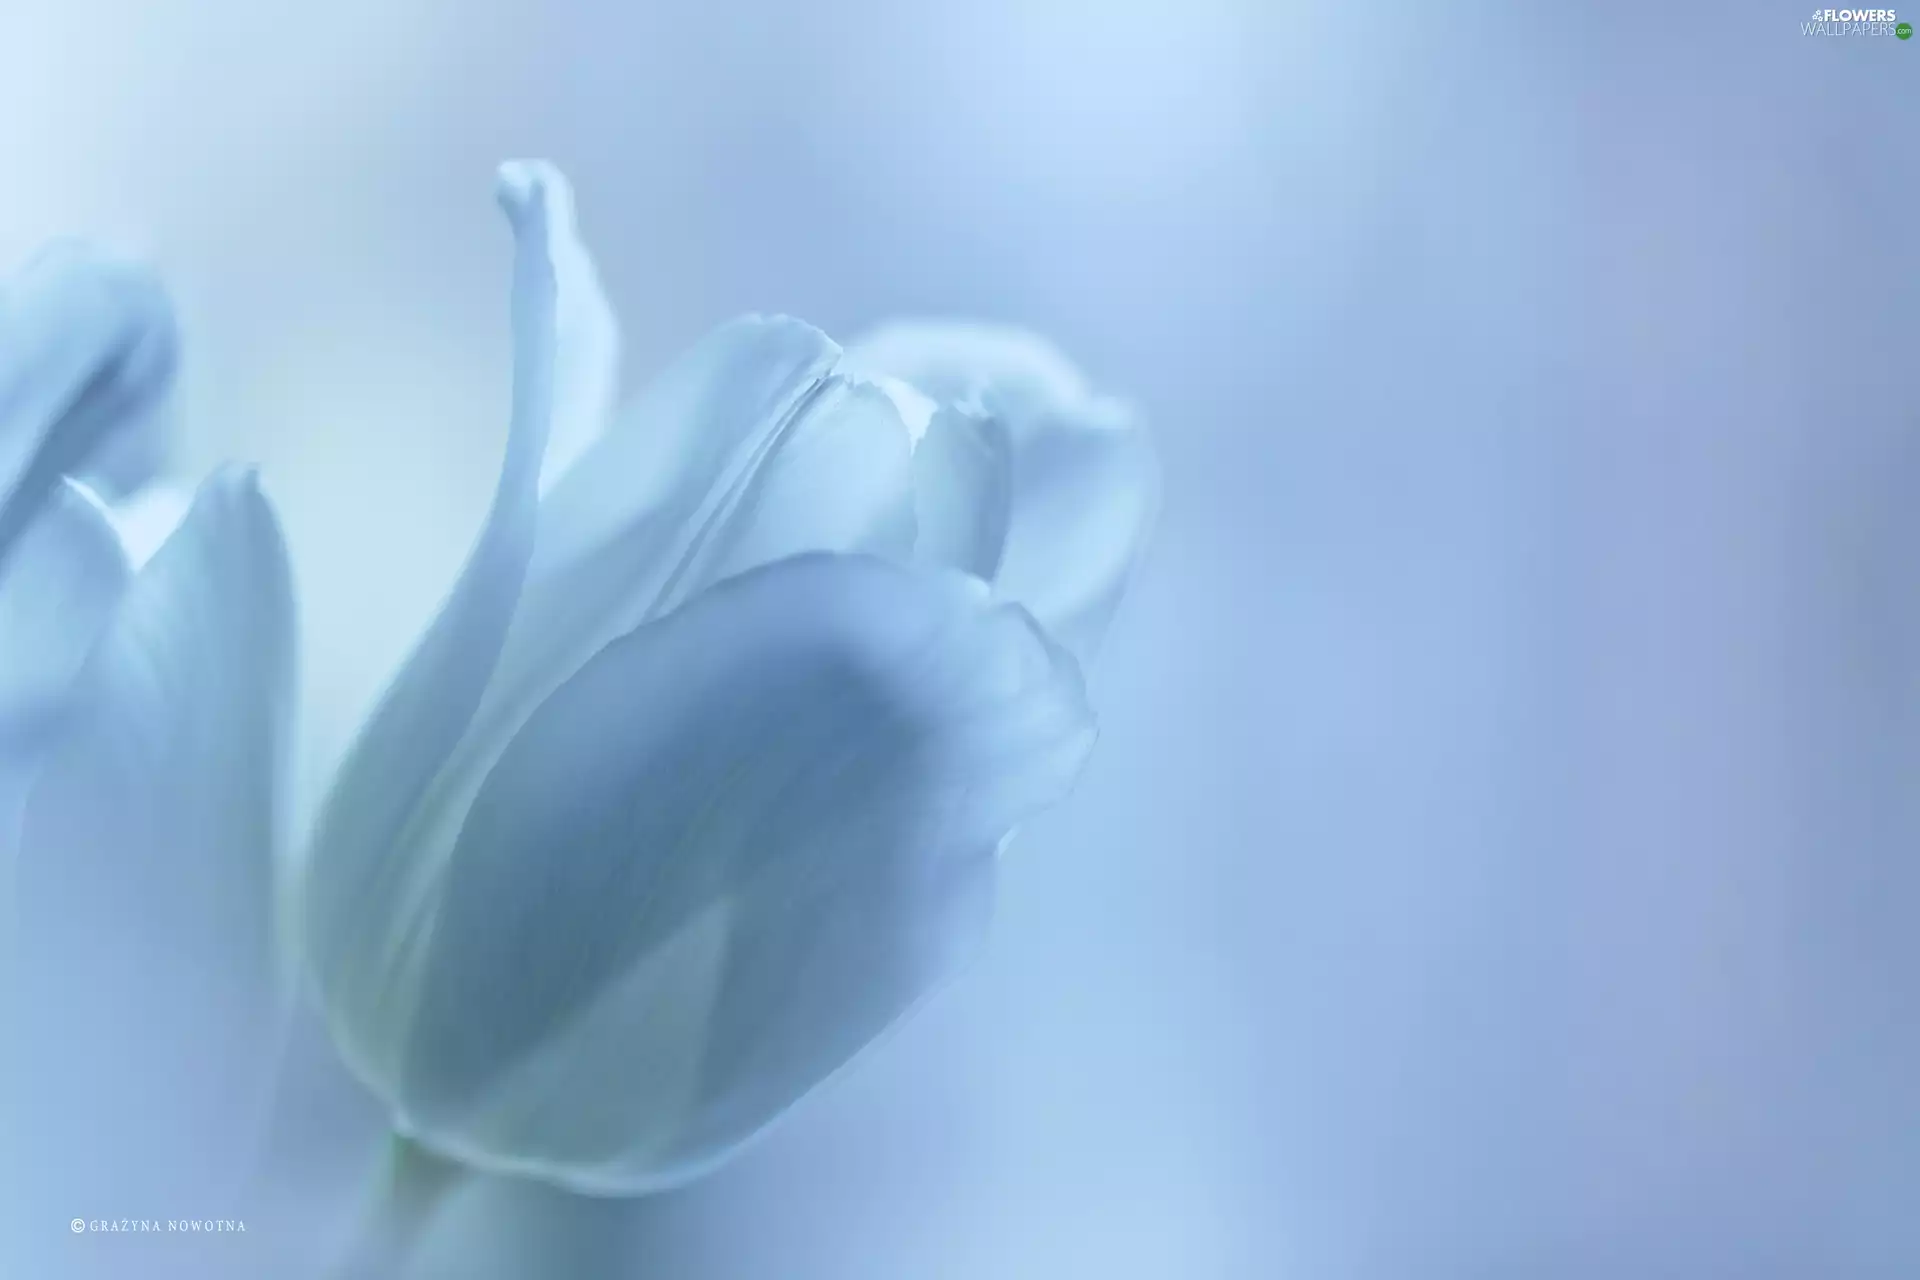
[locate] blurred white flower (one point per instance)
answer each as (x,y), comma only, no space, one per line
(88,351)
(147,717)
(697,783)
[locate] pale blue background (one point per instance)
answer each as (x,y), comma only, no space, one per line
(1500,861)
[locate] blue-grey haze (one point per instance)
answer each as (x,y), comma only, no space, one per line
(1499,861)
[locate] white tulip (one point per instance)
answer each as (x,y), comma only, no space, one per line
(698,782)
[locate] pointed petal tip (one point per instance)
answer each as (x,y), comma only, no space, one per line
(516,181)
(238,475)
(232,495)
(234,482)
(530,189)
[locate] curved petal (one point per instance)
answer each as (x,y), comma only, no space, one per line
(586,339)
(57,592)
(962,476)
(749,449)
(916,409)
(1085,481)
(728,854)
(752,439)
(955,361)
(963,492)
(361,896)
(1086,493)
(838,478)
(145,870)
(88,351)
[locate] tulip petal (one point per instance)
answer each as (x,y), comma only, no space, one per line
(963,492)
(723,432)
(146,863)
(839,478)
(749,449)
(1085,480)
(916,408)
(722,859)
(57,591)
(1086,494)
(586,339)
(959,360)
(361,893)
(88,351)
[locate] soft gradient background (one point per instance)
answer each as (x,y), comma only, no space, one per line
(1500,861)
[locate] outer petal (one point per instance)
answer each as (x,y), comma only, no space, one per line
(145,873)
(57,591)
(88,352)
(587,338)
(363,897)
(1085,482)
(733,850)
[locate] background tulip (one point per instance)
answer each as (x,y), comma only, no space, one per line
(145,719)
(146,974)
(88,354)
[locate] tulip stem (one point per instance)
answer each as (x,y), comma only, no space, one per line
(414,1184)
